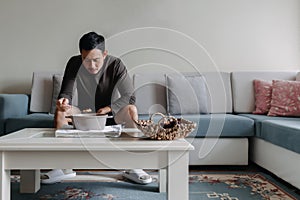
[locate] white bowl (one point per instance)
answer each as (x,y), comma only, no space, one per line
(89,121)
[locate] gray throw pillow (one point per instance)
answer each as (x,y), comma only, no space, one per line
(57,81)
(186,94)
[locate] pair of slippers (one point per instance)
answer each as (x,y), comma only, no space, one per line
(57,175)
(138,176)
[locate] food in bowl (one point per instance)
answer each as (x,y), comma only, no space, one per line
(89,121)
(88,110)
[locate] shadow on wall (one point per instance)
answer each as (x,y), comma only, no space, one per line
(17,88)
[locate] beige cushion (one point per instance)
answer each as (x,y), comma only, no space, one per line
(41,92)
(150,92)
(298,76)
(219,95)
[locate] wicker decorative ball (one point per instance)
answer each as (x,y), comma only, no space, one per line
(167,128)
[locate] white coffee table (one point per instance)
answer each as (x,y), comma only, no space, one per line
(36,148)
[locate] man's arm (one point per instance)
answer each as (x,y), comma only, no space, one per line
(66,93)
(69,78)
(124,86)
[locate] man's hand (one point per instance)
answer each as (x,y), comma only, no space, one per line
(104,110)
(63,105)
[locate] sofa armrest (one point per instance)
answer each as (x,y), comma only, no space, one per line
(13,105)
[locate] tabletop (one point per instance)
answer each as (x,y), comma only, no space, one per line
(44,139)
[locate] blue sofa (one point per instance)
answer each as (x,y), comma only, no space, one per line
(15,114)
(227,133)
(275,145)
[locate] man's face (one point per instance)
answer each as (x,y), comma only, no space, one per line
(93,60)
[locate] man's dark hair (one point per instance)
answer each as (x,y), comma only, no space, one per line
(91,41)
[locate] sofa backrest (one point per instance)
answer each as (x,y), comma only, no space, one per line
(151,92)
(243,90)
(227,92)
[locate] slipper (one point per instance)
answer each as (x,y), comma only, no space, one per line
(55,176)
(138,176)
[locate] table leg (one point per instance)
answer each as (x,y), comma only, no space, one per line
(178,176)
(162,180)
(4,179)
(30,181)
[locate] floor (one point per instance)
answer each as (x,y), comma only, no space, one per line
(252,167)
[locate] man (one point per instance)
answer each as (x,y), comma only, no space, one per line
(98,77)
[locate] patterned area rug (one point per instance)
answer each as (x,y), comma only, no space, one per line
(202,185)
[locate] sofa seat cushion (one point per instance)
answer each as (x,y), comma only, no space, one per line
(35,120)
(284,133)
(258,119)
(217,125)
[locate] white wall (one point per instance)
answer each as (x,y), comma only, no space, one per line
(201,35)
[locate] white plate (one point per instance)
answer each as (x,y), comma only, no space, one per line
(134,132)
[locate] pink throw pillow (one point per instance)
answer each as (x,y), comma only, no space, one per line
(285,98)
(263,95)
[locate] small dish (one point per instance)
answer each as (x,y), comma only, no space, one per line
(134,132)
